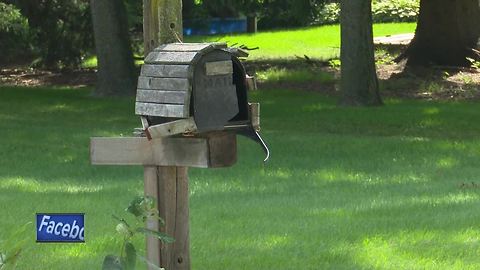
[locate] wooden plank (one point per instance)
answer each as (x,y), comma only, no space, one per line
(171,84)
(151,187)
(219,68)
(170,57)
(161,25)
(191,152)
(165,71)
(158,96)
(173,128)
(189,47)
(255,115)
(215,150)
(222,150)
(173,206)
(162,110)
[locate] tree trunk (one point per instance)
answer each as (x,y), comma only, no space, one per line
(116,71)
(447,33)
(252,23)
(359,82)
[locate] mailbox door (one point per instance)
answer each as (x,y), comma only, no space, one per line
(214,93)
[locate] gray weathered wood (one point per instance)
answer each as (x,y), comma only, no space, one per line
(173,206)
(144,121)
(159,96)
(162,110)
(151,188)
(189,47)
(170,57)
(219,68)
(162,23)
(165,71)
(255,115)
(172,128)
(188,152)
(191,152)
(172,84)
(251,83)
(221,148)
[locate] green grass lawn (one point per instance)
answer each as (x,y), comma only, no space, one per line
(321,42)
(346,188)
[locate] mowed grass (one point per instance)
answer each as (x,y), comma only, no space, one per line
(394,187)
(320,42)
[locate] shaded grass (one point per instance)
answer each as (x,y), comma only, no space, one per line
(346,188)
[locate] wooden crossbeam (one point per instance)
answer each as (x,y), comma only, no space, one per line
(213,151)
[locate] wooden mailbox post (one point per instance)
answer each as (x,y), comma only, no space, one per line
(165,164)
(166,160)
(192,99)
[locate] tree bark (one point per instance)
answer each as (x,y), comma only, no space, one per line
(116,71)
(447,33)
(359,82)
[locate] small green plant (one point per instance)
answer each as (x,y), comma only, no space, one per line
(383,57)
(466,79)
(11,248)
(335,63)
(142,208)
(474,63)
(431,87)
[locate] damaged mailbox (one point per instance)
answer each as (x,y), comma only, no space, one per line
(196,88)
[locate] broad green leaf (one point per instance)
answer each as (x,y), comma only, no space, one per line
(143,208)
(130,256)
(112,262)
(162,236)
(123,229)
(135,207)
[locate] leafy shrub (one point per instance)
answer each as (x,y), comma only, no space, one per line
(14,34)
(330,14)
(395,10)
(382,11)
(61,31)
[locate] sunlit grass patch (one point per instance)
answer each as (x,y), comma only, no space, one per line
(393,187)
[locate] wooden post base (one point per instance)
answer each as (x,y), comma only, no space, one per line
(170,186)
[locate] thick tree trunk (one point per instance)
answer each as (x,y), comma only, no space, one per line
(359,82)
(116,71)
(447,33)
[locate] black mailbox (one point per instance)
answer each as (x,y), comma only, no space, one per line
(195,88)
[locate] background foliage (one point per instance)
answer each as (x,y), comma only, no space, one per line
(14,33)
(58,33)
(382,11)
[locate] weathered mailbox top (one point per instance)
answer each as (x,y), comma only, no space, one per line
(174,74)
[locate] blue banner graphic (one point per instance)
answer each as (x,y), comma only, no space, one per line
(60,228)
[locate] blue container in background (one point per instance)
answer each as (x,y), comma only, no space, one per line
(214,26)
